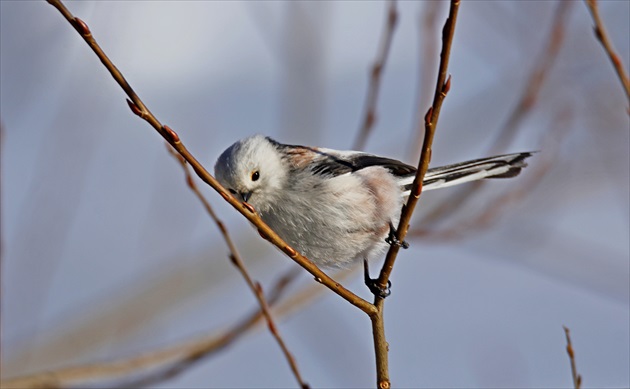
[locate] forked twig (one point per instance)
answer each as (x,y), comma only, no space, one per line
(602,37)
(431,118)
(236,259)
(150,367)
(375,77)
(138,108)
(577,379)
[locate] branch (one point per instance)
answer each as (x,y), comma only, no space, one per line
(118,370)
(236,259)
(1,239)
(577,379)
(151,367)
(375,77)
(522,109)
(427,53)
(441,89)
(138,108)
(602,37)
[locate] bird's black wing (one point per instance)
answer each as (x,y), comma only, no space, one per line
(334,163)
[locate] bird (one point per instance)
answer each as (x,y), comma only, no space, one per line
(337,207)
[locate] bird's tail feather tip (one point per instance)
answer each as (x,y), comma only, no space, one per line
(518,163)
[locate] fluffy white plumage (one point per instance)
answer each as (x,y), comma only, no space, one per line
(336,207)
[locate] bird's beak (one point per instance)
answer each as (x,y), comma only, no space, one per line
(245,195)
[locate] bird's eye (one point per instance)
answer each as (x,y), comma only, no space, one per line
(255,175)
(232,191)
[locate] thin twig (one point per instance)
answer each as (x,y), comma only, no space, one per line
(150,367)
(577,379)
(138,108)
(427,53)
(522,109)
(602,37)
(375,77)
(1,242)
(236,259)
(442,87)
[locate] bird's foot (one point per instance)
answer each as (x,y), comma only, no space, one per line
(372,283)
(392,240)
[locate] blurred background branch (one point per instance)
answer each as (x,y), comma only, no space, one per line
(371,98)
(150,367)
(235,258)
(509,130)
(602,37)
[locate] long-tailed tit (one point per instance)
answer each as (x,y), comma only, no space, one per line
(337,207)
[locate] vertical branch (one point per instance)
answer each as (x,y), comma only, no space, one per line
(431,118)
(577,379)
(1,241)
(441,89)
(375,77)
(236,259)
(381,350)
(602,37)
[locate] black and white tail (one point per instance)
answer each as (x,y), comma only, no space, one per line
(500,166)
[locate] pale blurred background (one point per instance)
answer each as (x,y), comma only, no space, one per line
(106,253)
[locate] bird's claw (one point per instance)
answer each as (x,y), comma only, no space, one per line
(372,283)
(376,289)
(392,240)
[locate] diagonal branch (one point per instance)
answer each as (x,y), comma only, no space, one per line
(138,107)
(442,87)
(375,77)
(236,259)
(602,37)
